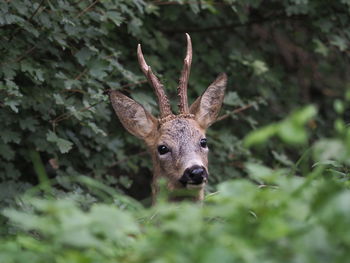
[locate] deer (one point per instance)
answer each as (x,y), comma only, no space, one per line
(176,142)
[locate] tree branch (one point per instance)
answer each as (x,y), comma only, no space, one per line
(29,20)
(271,17)
(68,115)
(225,116)
(161,2)
(87,9)
(27,52)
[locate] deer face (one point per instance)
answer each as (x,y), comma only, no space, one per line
(177,143)
(182,153)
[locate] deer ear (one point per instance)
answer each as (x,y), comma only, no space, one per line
(133,115)
(206,108)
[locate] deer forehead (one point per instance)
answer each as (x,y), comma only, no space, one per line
(180,131)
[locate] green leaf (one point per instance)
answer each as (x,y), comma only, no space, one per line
(261,135)
(282,158)
(13,104)
(10,136)
(340,42)
(83,55)
(329,149)
(63,145)
(31,221)
(258,171)
(292,133)
(232,99)
(114,16)
(28,123)
(96,129)
(7,152)
(259,67)
(302,116)
(339,106)
(321,48)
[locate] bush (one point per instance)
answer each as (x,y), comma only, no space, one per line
(291,219)
(61,145)
(275,216)
(60,56)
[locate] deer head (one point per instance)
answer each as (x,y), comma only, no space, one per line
(177,143)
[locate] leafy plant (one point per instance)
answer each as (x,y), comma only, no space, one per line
(62,146)
(60,56)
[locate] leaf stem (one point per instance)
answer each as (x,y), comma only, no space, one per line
(40,170)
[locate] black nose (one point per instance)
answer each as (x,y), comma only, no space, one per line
(194,175)
(197,172)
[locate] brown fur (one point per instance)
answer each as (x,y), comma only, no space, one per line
(180,133)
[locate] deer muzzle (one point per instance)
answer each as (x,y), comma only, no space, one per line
(194,176)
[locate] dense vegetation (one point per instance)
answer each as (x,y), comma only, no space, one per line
(279,152)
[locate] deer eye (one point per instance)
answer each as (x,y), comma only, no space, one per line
(203,143)
(162,149)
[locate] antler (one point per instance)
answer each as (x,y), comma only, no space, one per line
(182,88)
(163,101)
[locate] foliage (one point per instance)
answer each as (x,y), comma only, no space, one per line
(290,130)
(273,216)
(287,63)
(283,217)
(58,57)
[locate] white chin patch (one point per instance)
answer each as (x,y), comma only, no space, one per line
(195,186)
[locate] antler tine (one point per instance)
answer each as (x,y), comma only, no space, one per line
(182,88)
(163,101)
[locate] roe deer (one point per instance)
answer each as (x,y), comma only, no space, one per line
(176,143)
